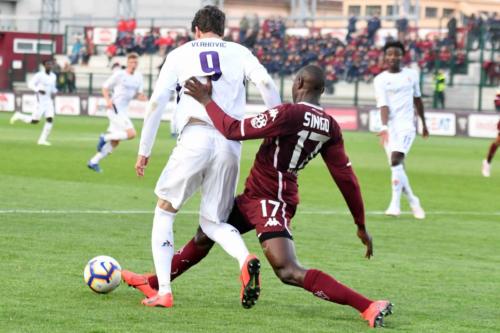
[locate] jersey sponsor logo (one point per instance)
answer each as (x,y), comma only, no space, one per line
(272,222)
(316,122)
(259,121)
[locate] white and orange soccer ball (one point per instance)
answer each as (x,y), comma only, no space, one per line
(102,274)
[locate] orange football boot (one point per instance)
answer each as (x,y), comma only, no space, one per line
(165,301)
(250,281)
(139,282)
(376,312)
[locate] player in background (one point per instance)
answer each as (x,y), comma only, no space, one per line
(125,84)
(202,158)
(44,86)
(397,91)
(486,170)
(293,135)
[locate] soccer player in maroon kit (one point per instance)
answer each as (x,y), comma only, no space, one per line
(486,170)
(294,134)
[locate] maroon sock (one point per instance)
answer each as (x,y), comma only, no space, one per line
(187,256)
(324,286)
(492,151)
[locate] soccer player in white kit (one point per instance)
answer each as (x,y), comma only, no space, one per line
(397,91)
(203,158)
(44,86)
(126,85)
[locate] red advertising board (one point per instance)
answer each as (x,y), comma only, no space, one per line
(346,118)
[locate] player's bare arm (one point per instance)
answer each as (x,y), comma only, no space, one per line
(342,173)
(107,97)
(383,133)
(419,105)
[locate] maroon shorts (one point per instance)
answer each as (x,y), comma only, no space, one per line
(269,217)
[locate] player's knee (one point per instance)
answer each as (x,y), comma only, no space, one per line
(397,159)
(114,143)
(290,274)
(35,121)
(131,133)
(166,205)
(49,119)
(201,239)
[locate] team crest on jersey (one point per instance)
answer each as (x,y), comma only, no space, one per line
(259,121)
(273,113)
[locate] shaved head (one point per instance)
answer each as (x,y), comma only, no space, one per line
(314,78)
(309,81)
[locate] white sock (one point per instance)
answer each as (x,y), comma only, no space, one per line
(397,185)
(227,237)
(162,243)
(24,117)
(105,151)
(116,136)
(47,128)
(412,199)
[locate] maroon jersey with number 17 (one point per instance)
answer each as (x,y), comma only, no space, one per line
(293,135)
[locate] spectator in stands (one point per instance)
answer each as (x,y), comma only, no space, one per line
(253,34)
(402,28)
(111,52)
(452,30)
(149,43)
(351,28)
(165,44)
(493,28)
(475,25)
(492,71)
(70,76)
(139,44)
(244,27)
(131,25)
(444,56)
(372,27)
(439,87)
(75,51)
(122,28)
(60,79)
(85,52)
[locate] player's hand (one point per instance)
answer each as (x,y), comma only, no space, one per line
(366,239)
(140,165)
(109,103)
(41,92)
(425,132)
(142,97)
(197,90)
(384,137)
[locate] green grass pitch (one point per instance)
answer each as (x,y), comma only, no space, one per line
(443,274)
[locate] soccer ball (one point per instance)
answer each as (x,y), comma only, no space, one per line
(102,274)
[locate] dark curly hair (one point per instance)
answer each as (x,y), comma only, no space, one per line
(209,19)
(396,44)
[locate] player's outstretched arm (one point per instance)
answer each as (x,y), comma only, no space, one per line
(154,110)
(270,123)
(342,173)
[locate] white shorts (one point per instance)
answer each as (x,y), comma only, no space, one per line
(400,141)
(45,108)
(205,159)
(118,121)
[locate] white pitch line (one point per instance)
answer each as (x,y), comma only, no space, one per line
(192,212)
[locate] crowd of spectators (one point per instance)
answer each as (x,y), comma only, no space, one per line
(351,59)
